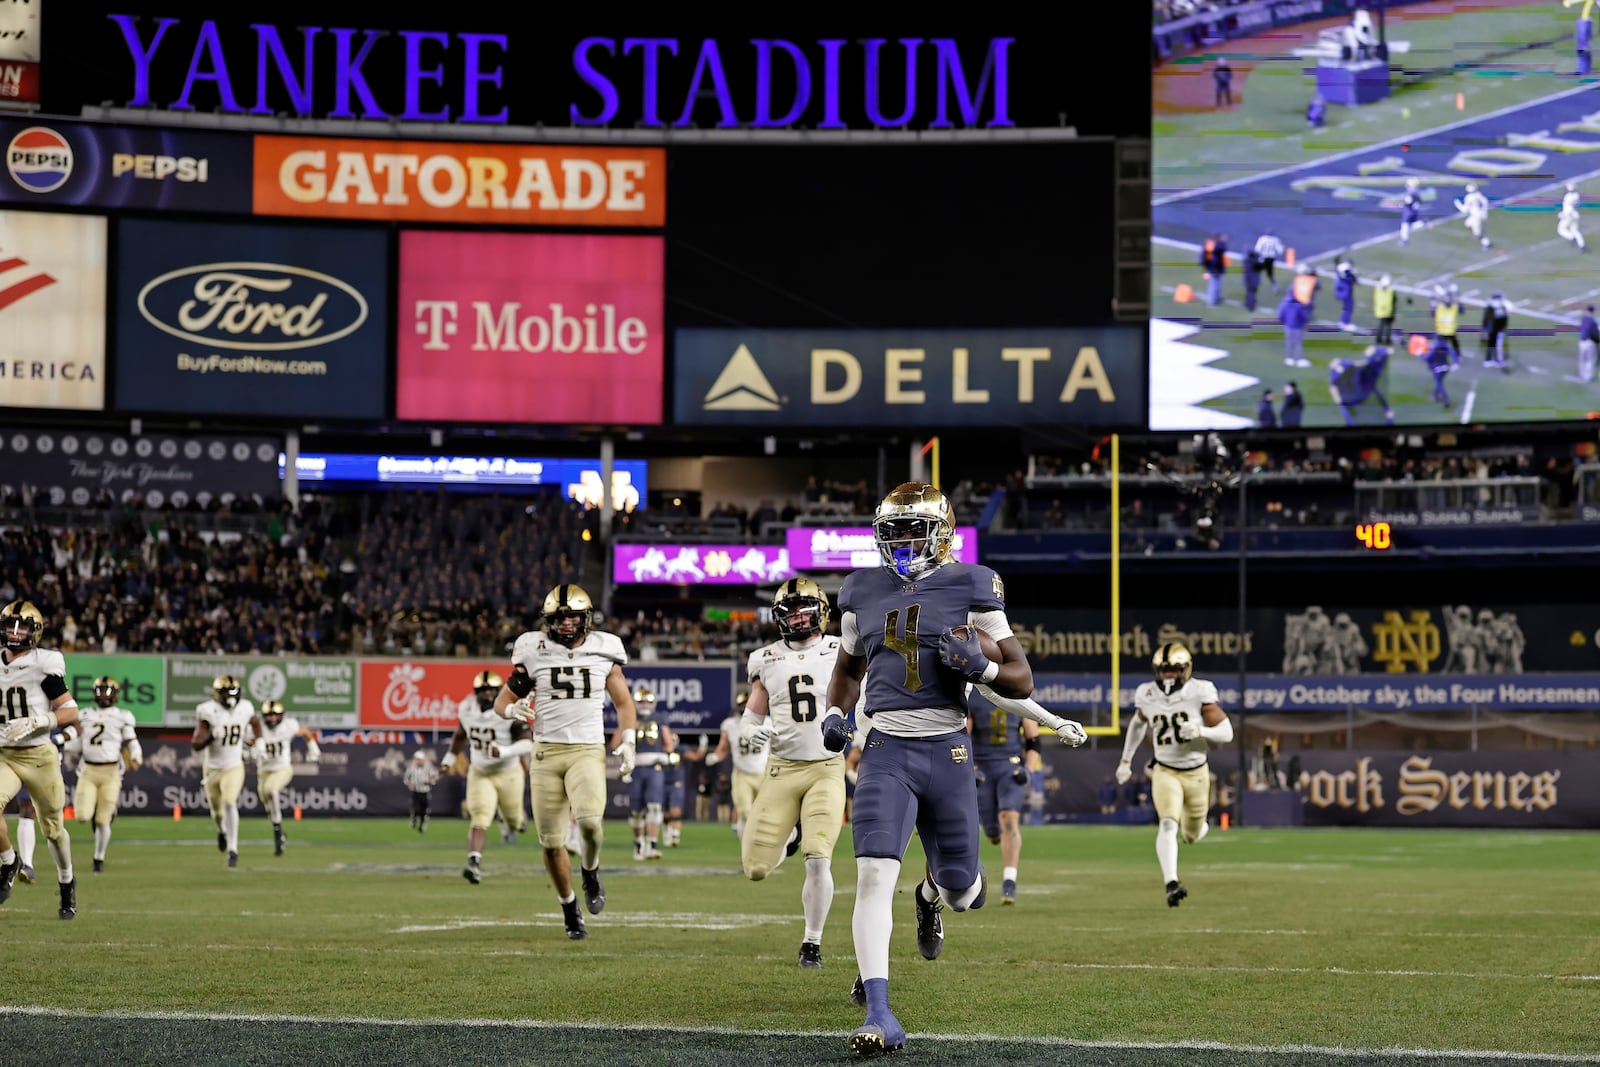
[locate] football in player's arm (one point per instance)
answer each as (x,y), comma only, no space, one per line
(907,628)
(1183,719)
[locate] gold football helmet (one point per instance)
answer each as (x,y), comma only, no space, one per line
(568,612)
(106,690)
(915,528)
(1173,666)
(486,687)
(271,708)
(21,626)
(644,701)
(225,690)
(800,608)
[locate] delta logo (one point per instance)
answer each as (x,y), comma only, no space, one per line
(39,159)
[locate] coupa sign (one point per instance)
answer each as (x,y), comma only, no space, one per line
(1090,377)
(250,320)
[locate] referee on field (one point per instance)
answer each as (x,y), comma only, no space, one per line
(1268,251)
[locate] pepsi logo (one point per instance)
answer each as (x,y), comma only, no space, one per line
(39,159)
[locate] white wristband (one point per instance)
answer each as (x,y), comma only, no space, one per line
(834,710)
(989,672)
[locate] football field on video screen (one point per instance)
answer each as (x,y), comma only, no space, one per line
(363,944)
(1487,95)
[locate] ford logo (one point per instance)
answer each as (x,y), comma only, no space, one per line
(257,307)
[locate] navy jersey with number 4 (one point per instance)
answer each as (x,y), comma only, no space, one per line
(898,622)
(996,735)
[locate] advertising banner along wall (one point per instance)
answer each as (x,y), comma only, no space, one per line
(73,467)
(85,165)
(251,319)
(448,181)
(318,692)
(1092,377)
(52,311)
(530,328)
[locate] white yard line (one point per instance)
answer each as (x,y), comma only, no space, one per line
(411,1022)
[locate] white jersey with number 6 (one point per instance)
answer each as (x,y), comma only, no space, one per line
(796,681)
(569,684)
(1166,713)
(229,728)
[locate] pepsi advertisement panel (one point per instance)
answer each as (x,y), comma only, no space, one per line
(250,320)
(83,165)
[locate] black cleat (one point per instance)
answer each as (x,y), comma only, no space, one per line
(858,993)
(930,928)
(594,894)
(574,920)
(99,865)
(233,859)
(793,844)
(1175,893)
(69,899)
(811,956)
(473,871)
(279,839)
(8,877)
(222,841)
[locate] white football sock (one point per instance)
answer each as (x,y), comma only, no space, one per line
(230,825)
(102,838)
(816,896)
(874,915)
(61,852)
(1205,828)
(1008,874)
(1167,850)
(26,836)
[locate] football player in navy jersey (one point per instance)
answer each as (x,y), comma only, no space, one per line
(910,627)
(1006,750)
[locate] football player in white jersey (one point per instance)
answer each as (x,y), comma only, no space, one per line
(1567,223)
(749,764)
(496,782)
(1474,207)
(223,725)
(36,701)
(274,771)
(566,671)
(804,782)
(106,739)
(1183,718)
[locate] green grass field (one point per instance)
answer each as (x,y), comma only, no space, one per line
(363,944)
(1480,59)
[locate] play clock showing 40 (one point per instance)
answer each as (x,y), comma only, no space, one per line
(1375,535)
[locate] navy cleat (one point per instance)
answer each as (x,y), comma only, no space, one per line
(858,993)
(811,956)
(881,1033)
(8,877)
(24,875)
(1175,893)
(69,899)
(1008,891)
(594,894)
(574,920)
(930,928)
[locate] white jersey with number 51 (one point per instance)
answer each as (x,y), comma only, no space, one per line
(569,684)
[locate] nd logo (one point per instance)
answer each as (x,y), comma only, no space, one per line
(1400,642)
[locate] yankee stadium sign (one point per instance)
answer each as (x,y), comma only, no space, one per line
(430,75)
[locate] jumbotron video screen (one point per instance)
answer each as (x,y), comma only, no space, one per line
(1376,207)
